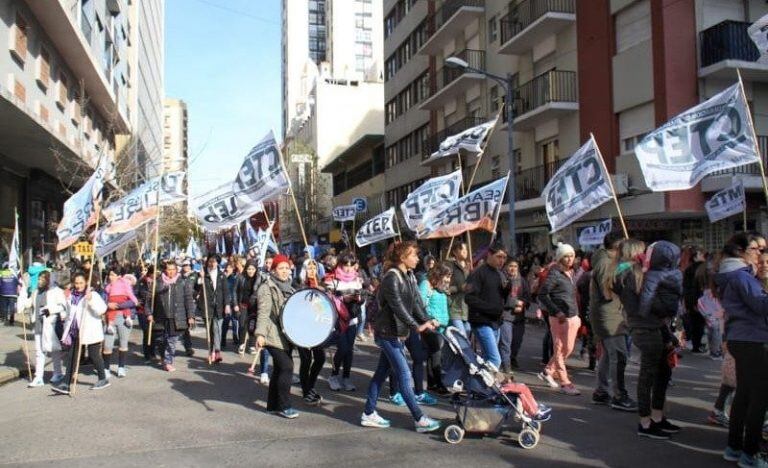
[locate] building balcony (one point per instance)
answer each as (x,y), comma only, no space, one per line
(725,48)
(547,96)
(432,143)
(448,21)
(452,81)
(71,41)
(749,174)
(529,183)
(531,21)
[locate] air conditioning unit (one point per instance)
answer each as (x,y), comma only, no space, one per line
(620,183)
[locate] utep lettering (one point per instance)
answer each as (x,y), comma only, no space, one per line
(569,185)
(256,167)
(673,145)
(472,208)
(431,196)
(375,226)
(221,210)
(724,197)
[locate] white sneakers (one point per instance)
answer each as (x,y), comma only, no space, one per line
(334,383)
(264,378)
(373,420)
(121,372)
(36,382)
(548,379)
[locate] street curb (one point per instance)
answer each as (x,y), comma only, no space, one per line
(8,374)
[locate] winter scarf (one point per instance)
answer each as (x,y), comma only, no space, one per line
(283,286)
(169,281)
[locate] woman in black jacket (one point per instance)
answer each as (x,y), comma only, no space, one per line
(173,311)
(401,311)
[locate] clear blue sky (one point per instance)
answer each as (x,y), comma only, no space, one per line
(223,58)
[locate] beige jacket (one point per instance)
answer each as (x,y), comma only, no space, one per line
(270,302)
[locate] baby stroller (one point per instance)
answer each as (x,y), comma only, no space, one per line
(481,405)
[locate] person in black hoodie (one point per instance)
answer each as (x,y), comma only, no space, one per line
(650,288)
(486,290)
(693,320)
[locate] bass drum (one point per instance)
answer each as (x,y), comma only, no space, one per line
(308,318)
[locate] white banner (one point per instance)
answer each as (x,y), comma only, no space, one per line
(107,243)
(578,187)
(434,194)
(79,212)
(470,139)
(380,227)
(476,210)
(14,252)
(221,208)
(344,213)
(712,136)
(141,204)
(595,234)
(726,202)
(261,176)
(758,31)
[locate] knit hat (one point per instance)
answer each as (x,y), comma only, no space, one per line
(278,259)
(563,250)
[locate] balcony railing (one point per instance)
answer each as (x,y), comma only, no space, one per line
(727,41)
(445,12)
(432,142)
(552,86)
(524,14)
(529,183)
(475,59)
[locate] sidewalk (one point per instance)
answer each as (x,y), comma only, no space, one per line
(12,362)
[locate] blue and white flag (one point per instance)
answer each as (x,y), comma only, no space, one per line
(264,243)
(79,210)
(344,213)
(435,193)
(712,136)
(250,234)
(14,255)
(578,187)
(261,176)
(595,234)
(470,139)
(758,32)
(193,251)
(378,228)
(240,242)
(107,243)
(726,202)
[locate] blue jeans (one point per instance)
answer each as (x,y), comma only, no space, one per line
(489,342)
(361,321)
(7,308)
(264,361)
(345,351)
(462,326)
(392,358)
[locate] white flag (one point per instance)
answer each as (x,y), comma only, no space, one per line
(107,243)
(726,202)
(79,212)
(595,234)
(344,213)
(193,251)
(470,139)
(712,136)
(432,195)
(476,210)
(264,243)
(378,228)
(221,208)
(141,204)
(758,31)
(14,255)
(261,176)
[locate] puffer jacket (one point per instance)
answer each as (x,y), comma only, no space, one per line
(663,282)
(270,302)
(9,283)
(172,302)
(744,300)
(558,294)
(400,306)
(436,302)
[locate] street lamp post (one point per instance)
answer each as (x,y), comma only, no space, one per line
(506,83)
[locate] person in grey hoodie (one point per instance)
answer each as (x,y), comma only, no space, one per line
(650,288)
(746,333)
(609,327)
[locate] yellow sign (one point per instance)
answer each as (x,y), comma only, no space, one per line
(83,249)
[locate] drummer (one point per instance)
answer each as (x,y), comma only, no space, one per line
(311,359)
(271,295)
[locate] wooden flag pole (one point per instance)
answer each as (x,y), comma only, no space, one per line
(205,311)
(293,199)
(88,291)
(399,232)
(25,344)
(613,189)
(754,136)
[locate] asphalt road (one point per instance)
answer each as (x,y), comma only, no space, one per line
(205,415)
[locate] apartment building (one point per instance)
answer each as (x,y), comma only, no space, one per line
(613,68)
(63,98)
(333,105)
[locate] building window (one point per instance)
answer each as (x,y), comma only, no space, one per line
(19,38)
(630,143)
(492,31)
(19,91)
(550,153)
(63,95)
(496,167)
(43,74)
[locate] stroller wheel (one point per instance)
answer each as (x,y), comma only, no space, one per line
(535,425)
(528,438)
(453,434)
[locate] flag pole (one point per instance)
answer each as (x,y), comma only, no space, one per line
(293,199)
(610,183)
(205,310)
(399,232)
(754,136)
(25,344)
(88,290)
(498,211)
